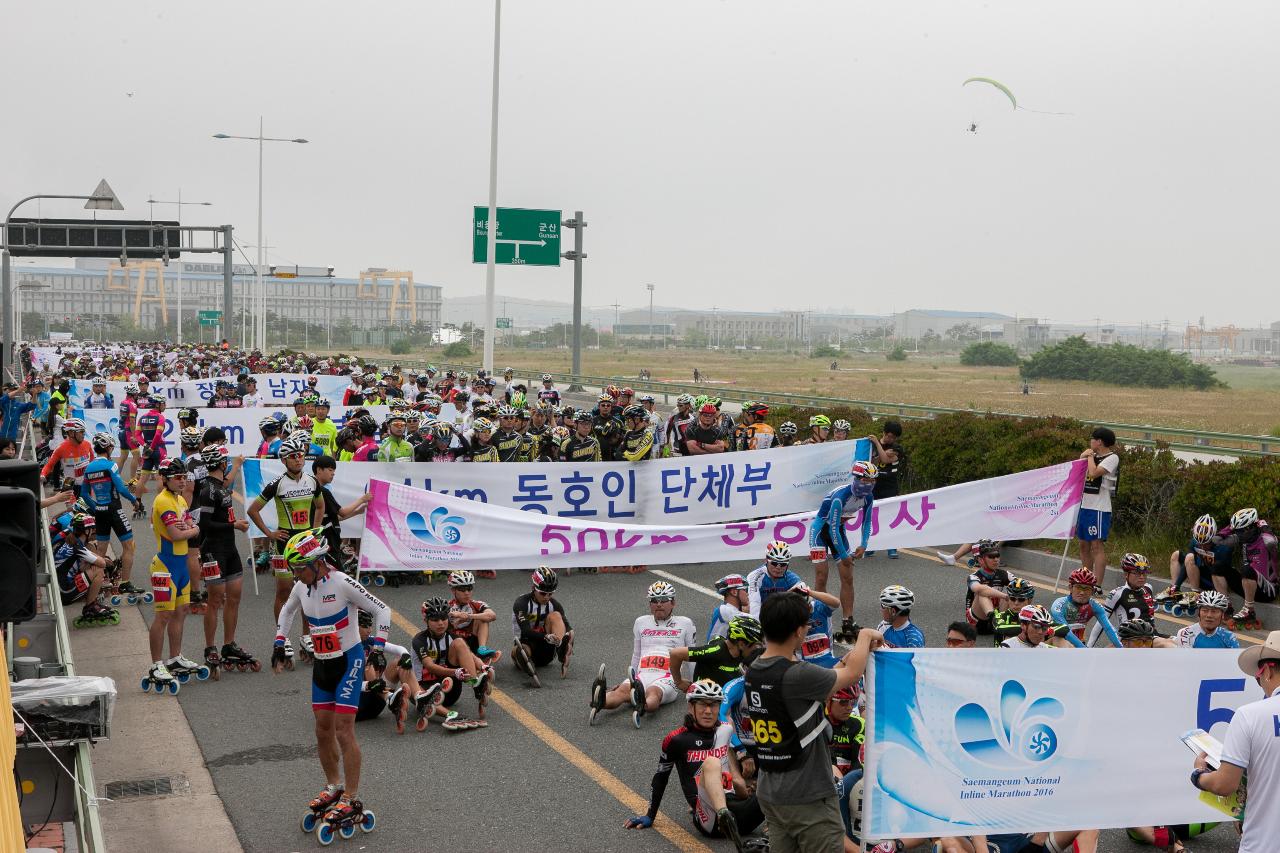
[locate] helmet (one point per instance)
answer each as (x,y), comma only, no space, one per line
(610,390)
(706,409)
(519,401)
(846,693)
(745,628)
(482,425)
(172,467)
(985,547)
(1240,519)
(559,433)
(705,690)
(1213,598)
(897,597)
(626,392)
(305,548)
(442,430)
(98,380)
(604,398)
(715,401)
(756,408)
(323,403)
(435,608)
(1135,563)
(582,417)
(546,377)
(1083,575)
(103,441)
(461,577)
(295,443)
(82,505)
(819,421)
(661,591)
(191,436)
(188,415)
(635,412)
(396,415)
(270,426)
(842,424)
(131,389)
(1019,588)
(787,428)
(1036,614)
(1136,629)
(82,522)
(1204,529)
(777,551)
(544,579)
(156,400)
(729,582)
(212,456)
(73,425)
(864,470)
(505,411)
(684,400)
(364,619)
(646,398)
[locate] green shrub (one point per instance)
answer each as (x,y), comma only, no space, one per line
(896,354)
(1118,364)
(826,351)
(989,353)
(457,349)
(401,347)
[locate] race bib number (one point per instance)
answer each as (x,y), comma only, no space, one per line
(654,662)
(210,571)
(279,566)
(816,644)
(161,586)
(817,555)
(300,517)
(80,582)
(325,642)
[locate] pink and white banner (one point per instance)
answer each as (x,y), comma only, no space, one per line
(414,529)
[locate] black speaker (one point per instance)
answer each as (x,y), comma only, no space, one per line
(19,539)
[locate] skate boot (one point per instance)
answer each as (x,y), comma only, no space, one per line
(159,679)
(213,661)
(199,602)
(94,615)
(398,707)
(234,656)
(1167,598)
(1245,619)
(637,699)
(599,688)
(848,633)
(288,654)
(183,668)
(319,805)
(564,652)
(426,701)
(133,594)
(306,651)
(728,826)
(524,664)
(455,722)
(343,818)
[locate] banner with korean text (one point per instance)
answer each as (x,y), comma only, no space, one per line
(277,389)
(684,490)
(980,742)
(414,529)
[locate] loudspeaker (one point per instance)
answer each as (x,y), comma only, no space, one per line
(19,539)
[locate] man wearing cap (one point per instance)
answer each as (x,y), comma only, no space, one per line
(11,410)
(1252,744)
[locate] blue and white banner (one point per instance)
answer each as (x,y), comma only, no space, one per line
(276,388)
(978,742)
(677,491)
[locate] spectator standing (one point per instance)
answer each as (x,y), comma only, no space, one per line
(890,458)
(11,410)
(250,398)
(1094,522)
(704,435)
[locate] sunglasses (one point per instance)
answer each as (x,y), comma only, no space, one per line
(1013,600)
(778,563)
(1145,643)
(298,455)
(995,555)
(464,588)
(955,641)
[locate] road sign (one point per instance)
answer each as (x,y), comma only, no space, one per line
(529,237)
(504,323)
(204,321)
(213,318)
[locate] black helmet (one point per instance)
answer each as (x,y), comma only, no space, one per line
(172,467)
(1136,629)
(435,608)
(544,579)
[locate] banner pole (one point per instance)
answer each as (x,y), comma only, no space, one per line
(1065,547)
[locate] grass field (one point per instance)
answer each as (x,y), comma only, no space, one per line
(1251,405)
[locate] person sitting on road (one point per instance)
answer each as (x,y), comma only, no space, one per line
(720,660)
(1208,632)
(446,661)
(1077,608)
(469,617)
(734,600)
(1193,564)
(986,588)
(896,602)
(543,632)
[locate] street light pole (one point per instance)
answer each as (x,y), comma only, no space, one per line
(650,286)
(491,237)
(179,203)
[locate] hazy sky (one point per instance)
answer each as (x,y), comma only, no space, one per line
(757,154)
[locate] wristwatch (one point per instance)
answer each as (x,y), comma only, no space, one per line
(1195,777)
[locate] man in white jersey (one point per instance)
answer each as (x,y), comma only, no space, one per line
(649,685)
(733,592)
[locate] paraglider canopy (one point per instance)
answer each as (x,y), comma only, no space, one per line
(1002,87)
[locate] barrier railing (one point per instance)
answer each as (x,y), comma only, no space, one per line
(1147,435)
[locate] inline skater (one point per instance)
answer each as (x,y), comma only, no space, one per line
(1258,565)
(840,430)
(656,423)
(102,490)
(710,778)
(720,660)
(470,618)
(394,686)
(98,398)
(328,598)
(548,393)
(170,583)
(299,506)
(269,428)
(677,424)
(542,630)
(367,450)
(1077,608)
(80,571)
(1131,600)
(1005,621)
(220,568)
(816,648)
(895,625)
(754,433)
(395,447)
(638,440)
(827,538)
(1208,632)
(985,587)
(774,575)
(706,434)
(1138,633)
(607,426)
(480,448)
(71,457)
(582,446)
(845,739)
(1035,622)
(447,661)
(127,435)
(150,435)
(507,438)
(819,429)
(734,600)
(324,431)
(649,684)
(1193,565)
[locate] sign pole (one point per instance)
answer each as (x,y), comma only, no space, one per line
(228,278)
(492,221)
(576,255)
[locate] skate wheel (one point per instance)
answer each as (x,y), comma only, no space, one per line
(368,823)
(324,834)
(421,724)
(174,687)
(183,677)
(242,667)
(148,597)
(379,580)
(146,685)
(115,601)
(228,666)
(115,618)
(255,666)
(202,673)
(346,830)
(309,822)
(1176,610)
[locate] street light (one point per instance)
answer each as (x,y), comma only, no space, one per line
(260,326)
(180,203)
(650,286)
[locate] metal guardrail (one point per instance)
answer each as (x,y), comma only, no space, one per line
(1146,435)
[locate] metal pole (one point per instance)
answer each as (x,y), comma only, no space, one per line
(5,282)
(490,268)
(650,315)
(179,267)
(577,256)
(261,324)
(228,279)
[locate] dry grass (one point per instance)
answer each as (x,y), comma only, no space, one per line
(1251,405)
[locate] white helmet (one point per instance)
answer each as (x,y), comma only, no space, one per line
(897,597)
(661,591)
(1204,529)
(546,377)
(461,577)
(684,400)
(1213,598)
(705,690)
(1242,518)
(778,551)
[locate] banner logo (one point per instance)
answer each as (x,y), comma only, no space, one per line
(1018,736)
(439,528)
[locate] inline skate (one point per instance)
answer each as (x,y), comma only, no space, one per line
(183,668)
(159,679)
(319,805)
(342,819)
(95,614)
(235,657)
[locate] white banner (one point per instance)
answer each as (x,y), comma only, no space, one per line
(414,529)
(277,389)
(977,742)
(685,490)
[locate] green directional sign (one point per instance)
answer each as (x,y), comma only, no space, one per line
(529,237)
(214,317)
(204,322)
(504,322)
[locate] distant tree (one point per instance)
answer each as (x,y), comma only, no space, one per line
(989,353)
(896,354)
(1119,364)
(825,351)
(457,349)
(964,332)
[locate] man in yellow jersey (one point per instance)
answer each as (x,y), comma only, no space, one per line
(324,432)
(170,580)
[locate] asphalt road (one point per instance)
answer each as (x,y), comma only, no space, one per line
(537,777)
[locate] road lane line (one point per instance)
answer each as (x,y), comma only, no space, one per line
(705,590)
(612,785)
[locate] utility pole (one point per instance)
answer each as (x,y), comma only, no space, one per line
(650,286)
(577,223)
(616,315)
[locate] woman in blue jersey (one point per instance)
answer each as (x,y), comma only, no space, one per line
(827,539)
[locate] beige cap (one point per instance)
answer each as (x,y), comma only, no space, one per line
(1251,658)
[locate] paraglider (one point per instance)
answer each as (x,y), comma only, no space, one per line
(1002,87)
